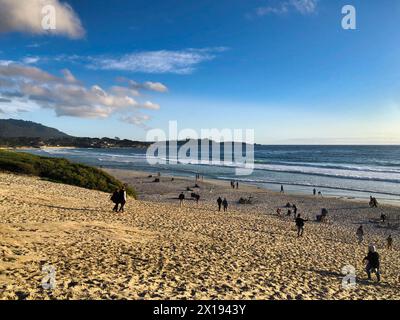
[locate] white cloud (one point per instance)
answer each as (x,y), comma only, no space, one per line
(137,120)
(26,16)
(68,76)
(66,95)
(263,11)
(302,6)
(150,105)
(155,86)
(148,85)
(163,61)
(30,60)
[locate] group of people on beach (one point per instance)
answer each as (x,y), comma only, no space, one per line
(234,184)
(371,261)
(299,221)
(315,192)
(290,207)
(373,203)
(222,203)
(119,199)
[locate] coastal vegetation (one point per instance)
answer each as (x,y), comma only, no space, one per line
(61,171)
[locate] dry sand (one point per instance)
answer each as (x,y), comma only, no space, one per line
(156,250)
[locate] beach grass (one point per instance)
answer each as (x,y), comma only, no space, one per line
(61,171)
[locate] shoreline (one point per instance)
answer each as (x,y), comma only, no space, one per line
(296,189)
(121,173)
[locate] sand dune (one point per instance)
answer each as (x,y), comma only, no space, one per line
(156,250)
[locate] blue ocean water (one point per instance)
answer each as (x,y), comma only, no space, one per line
(346,171)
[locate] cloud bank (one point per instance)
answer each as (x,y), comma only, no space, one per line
(26,16)
(67,96)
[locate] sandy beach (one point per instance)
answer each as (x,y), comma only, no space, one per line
(156,250)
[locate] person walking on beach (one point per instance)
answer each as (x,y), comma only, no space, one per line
(372,263)
(197,198)
(389,241)
(225,204)
(315,192)
(181,198)
(360,234)
(300,225)
(294,210)
(282,190)
(115,200)
(373,203)
(237,184)
(122,199)
(219,201)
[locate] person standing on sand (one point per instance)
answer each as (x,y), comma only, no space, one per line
(373,265)
(315,192)
(115,199)
(197,198)
(219,201)
(181,198)
(225,204)
(282,190)
(389,241)
(237,184)
(360,234)
(294,209)
(300,225)
(122,199)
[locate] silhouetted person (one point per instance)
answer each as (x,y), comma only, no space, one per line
(373,264)
(315,192)
(181,198)
(389,241)
(294,209)
(300,225)
(360,234)
(282,190)
(237,184)
(219,201)
(373,203)
(225,204)
(383,217)
(122,199)
(115,199)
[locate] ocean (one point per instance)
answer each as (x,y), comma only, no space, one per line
(341,171)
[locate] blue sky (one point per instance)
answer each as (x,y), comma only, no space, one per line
(286,69)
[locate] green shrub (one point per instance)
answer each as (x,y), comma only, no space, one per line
(60,170)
